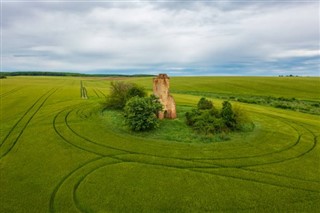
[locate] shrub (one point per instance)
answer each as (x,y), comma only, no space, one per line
(249,101)
(286,99)
(136,90)
(243,122)
(282,106)
(228,115)
(204,104)
(140,113)
(191,116)
(121,92)
(207,123)
(211,121)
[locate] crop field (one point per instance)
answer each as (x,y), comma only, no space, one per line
(61,153)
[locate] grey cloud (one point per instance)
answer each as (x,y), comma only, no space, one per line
(158,35)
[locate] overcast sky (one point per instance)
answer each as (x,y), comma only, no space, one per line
(174,37)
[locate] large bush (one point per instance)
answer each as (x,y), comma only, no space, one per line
(140,113)
(207,122)
(207,119)
(121,92)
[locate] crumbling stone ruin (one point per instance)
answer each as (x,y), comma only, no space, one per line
(161,90)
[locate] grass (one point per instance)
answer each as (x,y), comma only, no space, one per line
(172,130)
(306,106)
(60,153)
(302,88)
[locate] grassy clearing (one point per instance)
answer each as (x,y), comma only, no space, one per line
(60,153)
(172,130)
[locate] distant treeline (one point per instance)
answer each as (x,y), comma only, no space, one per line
(32,73)
(288,75)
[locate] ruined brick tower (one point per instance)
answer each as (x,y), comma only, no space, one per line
(161,90)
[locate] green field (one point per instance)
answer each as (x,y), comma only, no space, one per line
(61,153)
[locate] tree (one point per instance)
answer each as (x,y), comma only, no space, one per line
(136,90)
(204,104)
(228,115)
(121,92)
(140,113)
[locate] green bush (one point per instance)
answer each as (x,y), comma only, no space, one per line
(283,106)
(208,123)
(204,104)
(140,113)
(243,122)
(136,90)
(212,121)
(192,116)
(228,115)
(121,92)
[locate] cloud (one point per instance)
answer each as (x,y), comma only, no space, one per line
(297,53)
(187,39)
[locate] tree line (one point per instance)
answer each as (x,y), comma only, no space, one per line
(35,73)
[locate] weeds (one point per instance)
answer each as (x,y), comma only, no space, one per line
(294,104)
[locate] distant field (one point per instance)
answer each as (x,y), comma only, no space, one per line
(299,87)
(60,153)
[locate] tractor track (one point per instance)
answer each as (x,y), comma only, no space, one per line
(193,167)
(197,169)
(96,92)
(15,125)
(47,95)
(101,93)
(77,183)
(215,165)
(195,158)
(10,92)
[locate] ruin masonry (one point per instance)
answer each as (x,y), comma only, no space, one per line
(161,90)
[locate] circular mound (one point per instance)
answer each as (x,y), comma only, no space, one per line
(274,140)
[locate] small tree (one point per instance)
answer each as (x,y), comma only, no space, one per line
(204,104)
(136,90)
(228,115)
(140,113)
(121,92)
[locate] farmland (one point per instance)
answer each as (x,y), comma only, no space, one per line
(61,153)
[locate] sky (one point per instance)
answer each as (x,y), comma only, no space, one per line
(180,38)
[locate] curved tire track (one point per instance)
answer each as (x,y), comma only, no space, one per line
(76,184)
(10,92)
(192,169)
(196,159)
(11,143)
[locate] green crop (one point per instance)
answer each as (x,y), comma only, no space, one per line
(61,153)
